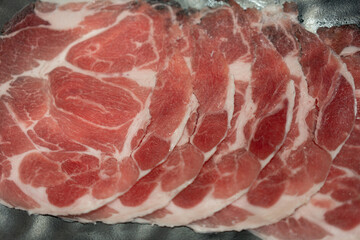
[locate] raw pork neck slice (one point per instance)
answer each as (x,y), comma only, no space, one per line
(77,98)
(258,127)
(214,89)
(299,169)
(333,212)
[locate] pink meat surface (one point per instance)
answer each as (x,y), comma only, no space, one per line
(88,105)
(317,133)
(258,127)
(220,119)
(214,90)
(333,212)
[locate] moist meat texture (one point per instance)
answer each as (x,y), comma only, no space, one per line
(86,109)
(300,168)
(219,119)
(250,144)
(333,212)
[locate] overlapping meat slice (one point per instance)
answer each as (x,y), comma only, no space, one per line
(78,130)
(214,89)
(299,169)
(157,186)
(333,212)
(260,123)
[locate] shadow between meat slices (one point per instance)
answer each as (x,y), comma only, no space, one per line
(208,126)
(334,211)
(264,100)
(317,134)
(88,106)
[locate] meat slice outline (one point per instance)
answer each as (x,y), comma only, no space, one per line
(157,187)
(67,146)
(229,173)
(214,89)
(333,212)
(293,175)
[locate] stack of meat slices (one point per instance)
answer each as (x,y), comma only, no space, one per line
(334,211)
(219,119)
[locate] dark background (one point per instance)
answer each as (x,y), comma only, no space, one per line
(17,224)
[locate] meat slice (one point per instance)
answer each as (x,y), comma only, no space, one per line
(345,41)
(86,110)
(251,142)
(156,188)
(214,89)
(333,212)
(316,136)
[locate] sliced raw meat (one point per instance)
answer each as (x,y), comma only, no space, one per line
(158,187)
(258,127)
(86,109)
(345,41)
(214,89)
(333,212)
(316,135)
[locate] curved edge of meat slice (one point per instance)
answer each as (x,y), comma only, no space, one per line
(155,189)
(293,175)
(212,117)
(67,146)
(229,173)
(334,211)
